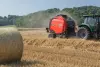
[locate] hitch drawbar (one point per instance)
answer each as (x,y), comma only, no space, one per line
(47,30)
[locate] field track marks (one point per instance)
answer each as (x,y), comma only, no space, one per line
(70,52)
(70,56)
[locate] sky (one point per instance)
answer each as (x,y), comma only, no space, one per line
(24,7)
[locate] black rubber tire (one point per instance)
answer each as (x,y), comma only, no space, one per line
(52,35)
(83,33)
(63,36)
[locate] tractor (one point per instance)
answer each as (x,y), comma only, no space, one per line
(60,26)
(90,28)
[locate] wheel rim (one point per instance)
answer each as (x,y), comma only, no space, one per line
(83,33)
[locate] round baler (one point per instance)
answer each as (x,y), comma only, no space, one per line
(59,26)
(11,45)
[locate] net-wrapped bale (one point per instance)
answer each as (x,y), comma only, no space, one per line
(11,45)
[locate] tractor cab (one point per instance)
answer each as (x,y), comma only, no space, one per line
(90,27)
(92,21)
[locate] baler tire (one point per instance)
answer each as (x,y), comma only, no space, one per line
(52,36)
(63,36)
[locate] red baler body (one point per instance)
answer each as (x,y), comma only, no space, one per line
(58,25)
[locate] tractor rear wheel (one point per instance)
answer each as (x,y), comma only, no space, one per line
(83,33)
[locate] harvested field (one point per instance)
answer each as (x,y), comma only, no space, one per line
(39,51)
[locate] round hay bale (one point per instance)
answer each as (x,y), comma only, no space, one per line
(11,45)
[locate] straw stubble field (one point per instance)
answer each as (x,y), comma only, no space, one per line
(39,51)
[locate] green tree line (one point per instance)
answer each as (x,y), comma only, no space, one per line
(42,18)
(8,20)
